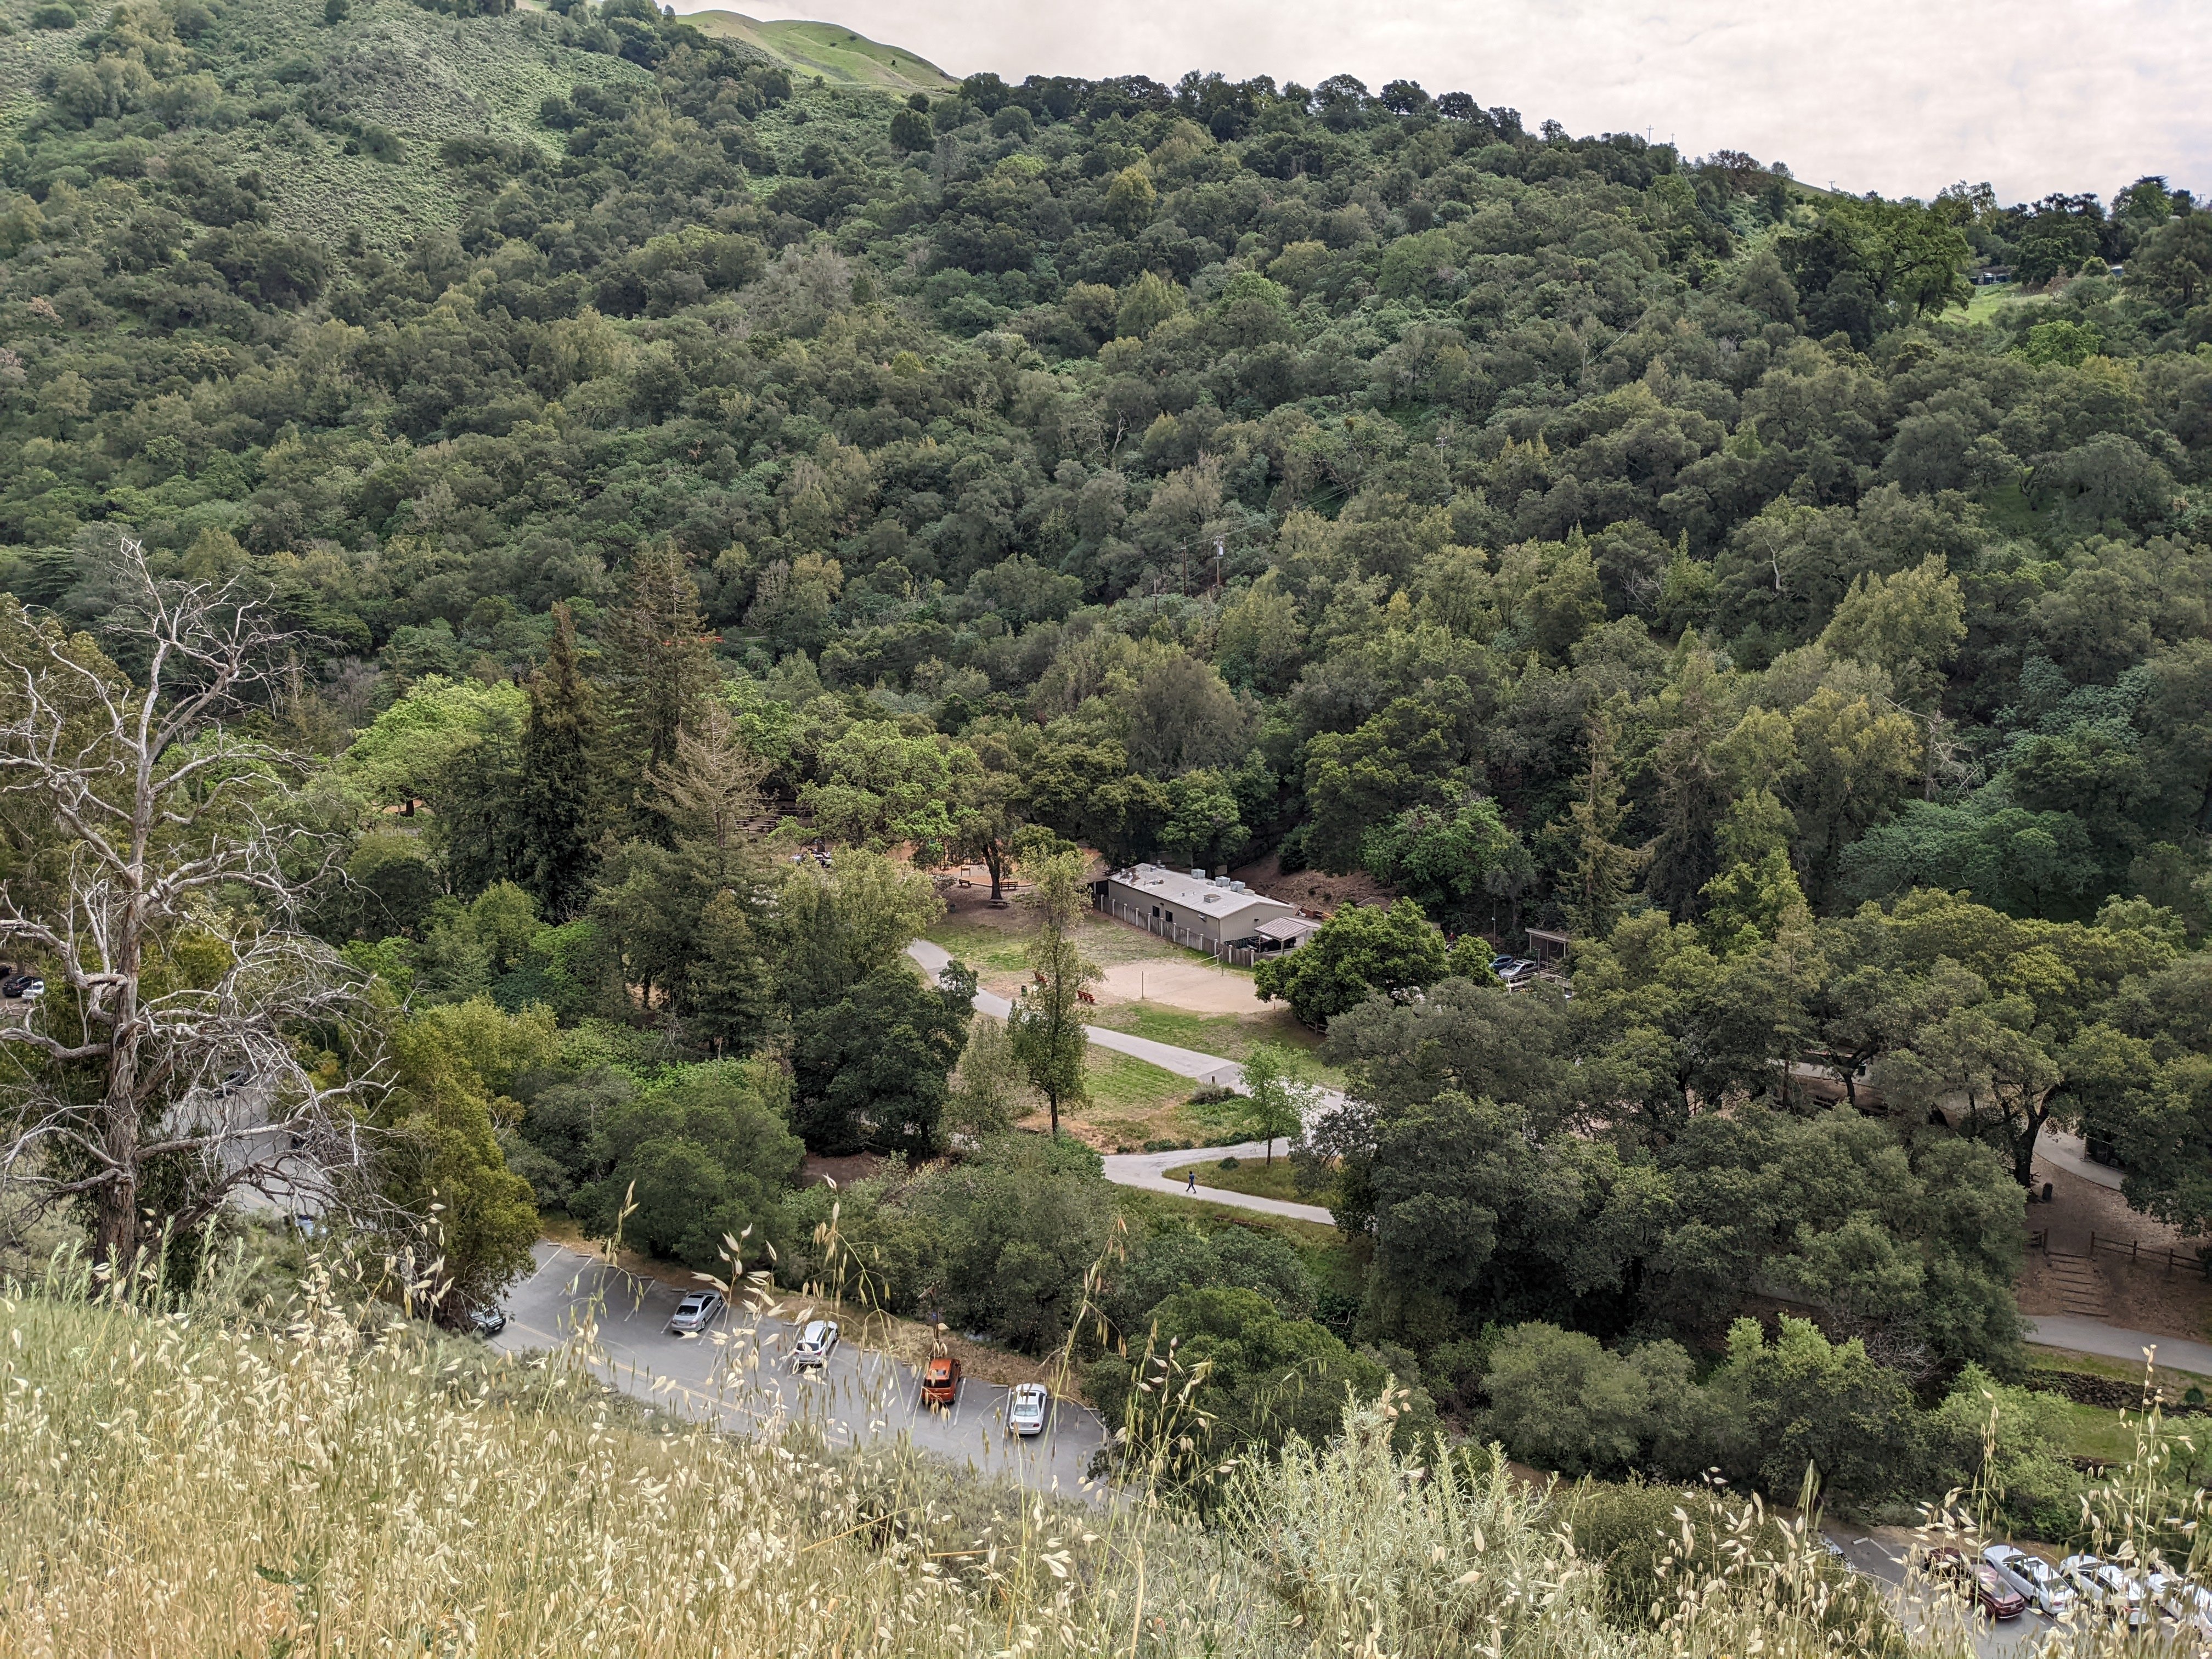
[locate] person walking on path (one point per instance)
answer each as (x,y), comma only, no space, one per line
(1190,1182)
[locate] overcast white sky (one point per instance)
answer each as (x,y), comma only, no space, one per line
(1902,96)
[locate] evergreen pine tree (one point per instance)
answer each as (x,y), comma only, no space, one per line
(1693,788)
(1046,1021)
(1595,885)
(557,807)
(660,666)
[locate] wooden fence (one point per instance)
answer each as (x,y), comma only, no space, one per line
(2133,1250)
(1235,955)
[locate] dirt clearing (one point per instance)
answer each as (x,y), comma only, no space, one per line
(1190,985)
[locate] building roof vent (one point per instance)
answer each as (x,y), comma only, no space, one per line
(1198,875)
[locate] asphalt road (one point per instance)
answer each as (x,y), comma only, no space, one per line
(737,1378)
(737,1375)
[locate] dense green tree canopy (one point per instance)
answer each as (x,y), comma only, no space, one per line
(697,505)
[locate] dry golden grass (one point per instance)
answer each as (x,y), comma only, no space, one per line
(180,1484)
(323,1477)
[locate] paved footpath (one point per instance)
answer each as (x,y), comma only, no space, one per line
(2114,1342)
(1148,1170)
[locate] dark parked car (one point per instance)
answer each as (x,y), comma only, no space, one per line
(1977,1580)
(1997,1597)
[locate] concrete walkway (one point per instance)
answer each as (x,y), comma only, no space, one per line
(1147,1170)
(2065,1151)
(2112,1342)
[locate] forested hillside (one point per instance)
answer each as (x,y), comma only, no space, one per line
(434,322)
(638,447)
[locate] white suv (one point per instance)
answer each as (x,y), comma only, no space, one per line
(816,1344)
(2034,1576)
(1025,1412)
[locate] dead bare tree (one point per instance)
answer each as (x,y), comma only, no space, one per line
(164,854)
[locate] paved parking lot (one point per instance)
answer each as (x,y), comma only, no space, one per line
(738,1377)
(1925,1610)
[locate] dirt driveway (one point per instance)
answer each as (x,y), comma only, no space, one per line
(1190,985)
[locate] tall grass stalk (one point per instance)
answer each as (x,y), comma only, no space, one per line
(230,1474)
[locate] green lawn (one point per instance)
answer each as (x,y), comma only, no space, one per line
(2174,1382)
(2097,1431)
(1259,1178)
(1988,301)
(1125,1084)
(981,946)
(1133,1101)
(1150,1207)
(1229,1035)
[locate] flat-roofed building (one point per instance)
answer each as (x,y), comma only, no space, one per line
(1188,907)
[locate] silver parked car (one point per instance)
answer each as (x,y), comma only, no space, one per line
(2034,1576)
(2106,1587)
(2188,1605)
(695,1312)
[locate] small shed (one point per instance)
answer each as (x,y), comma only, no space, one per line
(1285,933)
(1549,950)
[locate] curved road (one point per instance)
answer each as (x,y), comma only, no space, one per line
(1148,1170)
(739,1378)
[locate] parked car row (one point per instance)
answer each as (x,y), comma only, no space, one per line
(2005,1582)
(1028,1406)
(20,984)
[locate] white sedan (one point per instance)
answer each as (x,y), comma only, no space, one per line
(1025,1410)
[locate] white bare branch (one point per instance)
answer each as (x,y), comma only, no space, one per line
(161,899)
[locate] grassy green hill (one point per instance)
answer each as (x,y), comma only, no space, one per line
(829,50)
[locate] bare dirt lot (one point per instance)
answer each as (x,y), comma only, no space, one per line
(1151,990)
(1139,967)
(1195,986)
